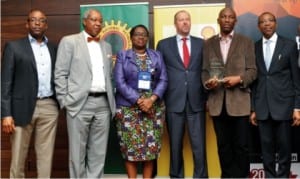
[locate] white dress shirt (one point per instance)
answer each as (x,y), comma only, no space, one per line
(273,41)
(180,43)
(98,81)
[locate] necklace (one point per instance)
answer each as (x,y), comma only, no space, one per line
(141,55)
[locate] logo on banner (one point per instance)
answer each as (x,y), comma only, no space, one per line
(117,35)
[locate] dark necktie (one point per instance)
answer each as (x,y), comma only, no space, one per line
(186,54)
(96,39)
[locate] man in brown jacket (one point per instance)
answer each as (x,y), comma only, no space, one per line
(228,70)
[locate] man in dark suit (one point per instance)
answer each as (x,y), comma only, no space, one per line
(27,102)
(228,70)
(298,44)
(276,96)
(185,97)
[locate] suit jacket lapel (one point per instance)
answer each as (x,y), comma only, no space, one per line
(130,55)
(193,51)
(233,46)
(152,58)
(86,56)
(260,56)
(105,58)
(52,52)
(28,49)
(52,55)
(279,45)
(174,48)
(216,43)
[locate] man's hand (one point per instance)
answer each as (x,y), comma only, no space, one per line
(8,125)
(253,120)
(145,104)
(212,83)
(296,118)
(231,81)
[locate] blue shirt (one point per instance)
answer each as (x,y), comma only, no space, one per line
(43,63)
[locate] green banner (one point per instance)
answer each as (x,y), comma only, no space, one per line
(118,20)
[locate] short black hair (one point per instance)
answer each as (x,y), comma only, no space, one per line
(35,10)
(264,13)
(137,26)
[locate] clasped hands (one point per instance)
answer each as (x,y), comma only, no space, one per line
(145,104)
(228,82)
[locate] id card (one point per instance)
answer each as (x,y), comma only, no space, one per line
(144,80)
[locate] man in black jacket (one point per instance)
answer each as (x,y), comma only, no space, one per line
(276,96)
(27,102)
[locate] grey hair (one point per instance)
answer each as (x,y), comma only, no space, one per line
(88,12)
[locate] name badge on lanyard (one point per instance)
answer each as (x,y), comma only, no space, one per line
(144,80)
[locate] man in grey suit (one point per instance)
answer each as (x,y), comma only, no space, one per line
(28,97)
(83,79)
(228,70)
(185,96)
(276,96)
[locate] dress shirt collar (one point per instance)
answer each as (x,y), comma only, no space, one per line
(230,36)
(179,37)
(32,39)
(272,39)
(86,35)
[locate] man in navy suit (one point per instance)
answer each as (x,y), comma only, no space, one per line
(185,96)
(27,102)
(276,96)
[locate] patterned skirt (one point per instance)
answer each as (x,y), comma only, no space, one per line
(140,133)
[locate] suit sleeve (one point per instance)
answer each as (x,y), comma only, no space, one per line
(251,70)
(159,47)
(299,59)
(205,64)
(7,75)
(295,74)
(122,87)
(111,65)
(163,78)
(62,70)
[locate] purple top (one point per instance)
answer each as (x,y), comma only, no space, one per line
(126,76)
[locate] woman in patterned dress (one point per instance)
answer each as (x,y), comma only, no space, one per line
(141,80)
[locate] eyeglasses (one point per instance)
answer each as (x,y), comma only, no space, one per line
(144,35)
(266,21)
(35,20)
(94,20)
